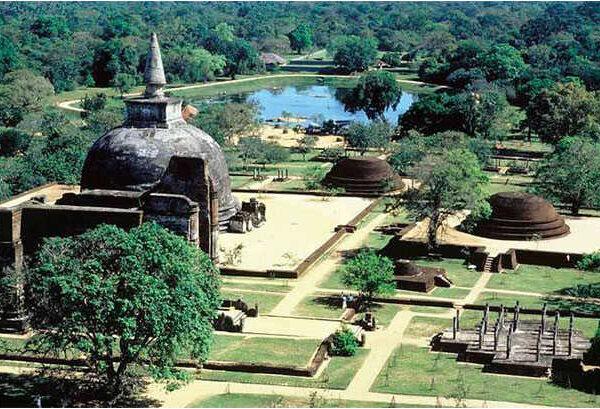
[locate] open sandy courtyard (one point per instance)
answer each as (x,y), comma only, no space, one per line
(296,226)
(584,237)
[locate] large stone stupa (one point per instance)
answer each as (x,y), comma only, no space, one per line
(521,216)
(135,155)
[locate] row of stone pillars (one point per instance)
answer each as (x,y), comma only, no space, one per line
(282,174)
(513,327)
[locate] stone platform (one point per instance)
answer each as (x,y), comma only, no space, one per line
(526,351)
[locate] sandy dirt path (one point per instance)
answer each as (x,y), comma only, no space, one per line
(381,344)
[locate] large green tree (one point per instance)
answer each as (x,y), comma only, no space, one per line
(122,299)
(571,174)
(565,109)
(449,181)
(503,62)
(301,38)
(353,53)
(375,92)
(374,135)
(370,274)
(224,122)
(22,92)
(193,64)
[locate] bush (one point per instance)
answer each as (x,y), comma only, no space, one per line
(590,262)
(392,58)
(343,343)
(93,104)
(593,355)
(333,154)
(13,141)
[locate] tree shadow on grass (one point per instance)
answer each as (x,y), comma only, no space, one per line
(22,390)
(579,304)
(329,302)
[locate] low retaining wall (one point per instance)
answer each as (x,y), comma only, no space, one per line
(312,258)
(398,248)
(305,192)
(310,370)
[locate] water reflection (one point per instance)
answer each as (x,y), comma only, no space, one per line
(314,101)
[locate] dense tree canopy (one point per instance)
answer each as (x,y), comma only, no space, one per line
(353,53)
(301,38)
(143,296)
(373,135)
(468,41)
(225,121)
(565,109)
(22,92)
(571,175)
(484,113)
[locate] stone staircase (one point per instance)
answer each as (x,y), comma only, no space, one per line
(487,267)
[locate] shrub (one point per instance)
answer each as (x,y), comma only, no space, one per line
(392,58)
(590,262)
(343,343)
(333,154)
(593,355)
(13,141)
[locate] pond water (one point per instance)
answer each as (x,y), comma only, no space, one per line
(313,102)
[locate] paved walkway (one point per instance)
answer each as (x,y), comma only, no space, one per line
(381,344)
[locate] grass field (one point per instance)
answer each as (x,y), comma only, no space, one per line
(263,350)
(320,307)
(245,400)
(541,279)
(416,371)
(266,302)
(337,375)
(420,327)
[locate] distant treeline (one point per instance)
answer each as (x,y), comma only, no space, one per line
(75,44)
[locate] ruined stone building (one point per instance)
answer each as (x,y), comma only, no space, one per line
(155,167)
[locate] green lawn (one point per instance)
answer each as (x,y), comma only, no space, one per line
(541,279)
(320,306)
(416,371)
(325,306)
(337,375)
(377,240)
(384,313)
(420,327)
(266,302)
(509,300)
(450,292)
(263,350)
(246,400)
(276,287)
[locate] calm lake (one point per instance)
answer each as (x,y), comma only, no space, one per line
(314,102)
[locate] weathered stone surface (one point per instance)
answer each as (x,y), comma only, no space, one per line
(136,155)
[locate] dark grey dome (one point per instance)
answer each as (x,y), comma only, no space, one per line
(135,155)
(128,158)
